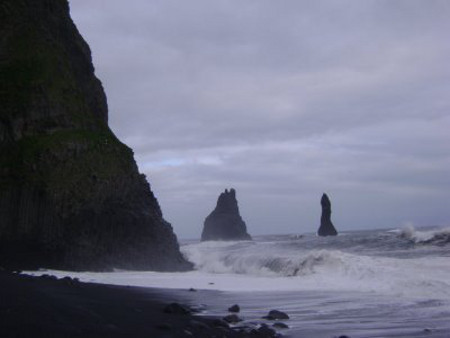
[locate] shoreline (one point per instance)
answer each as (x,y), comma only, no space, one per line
(50,307)
(65,307)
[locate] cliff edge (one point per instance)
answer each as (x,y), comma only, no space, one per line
(225,222)
(71,196)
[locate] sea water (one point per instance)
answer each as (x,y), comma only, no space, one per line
(384,283)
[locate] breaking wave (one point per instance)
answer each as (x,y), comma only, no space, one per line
(379,263)
(324,269)
(214,257)
(437,237)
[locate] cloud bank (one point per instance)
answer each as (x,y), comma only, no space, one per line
(282,100)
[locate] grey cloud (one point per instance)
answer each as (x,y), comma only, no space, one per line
(281,100)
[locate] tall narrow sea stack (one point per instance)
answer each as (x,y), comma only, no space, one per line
(225,222)
(71,196)
(326,227)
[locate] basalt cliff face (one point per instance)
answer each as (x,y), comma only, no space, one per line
(326,226)
(225,222)
(71,196)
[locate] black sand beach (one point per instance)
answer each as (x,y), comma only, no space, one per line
(49,307)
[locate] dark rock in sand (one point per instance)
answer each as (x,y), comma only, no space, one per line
(38,307)
(326,226)
(69,281)
(275,314)
(71,196)
(49,277)
(225,222)
(177,309)
(232,319)
(280,325)
(234,308)
(264,331)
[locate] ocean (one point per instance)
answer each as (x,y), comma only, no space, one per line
(378,283)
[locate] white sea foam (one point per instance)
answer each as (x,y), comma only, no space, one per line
(325,269)
(379,283)
(274,266)
(257,259)
(440,236)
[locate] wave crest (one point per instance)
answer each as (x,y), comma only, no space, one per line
(437,237)
(261,261)
(324,268)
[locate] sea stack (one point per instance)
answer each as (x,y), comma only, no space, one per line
(71,196)
(326,227)
(225,222)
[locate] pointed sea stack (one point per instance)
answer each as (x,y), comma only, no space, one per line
(71,196)
(225,222)
(326,227)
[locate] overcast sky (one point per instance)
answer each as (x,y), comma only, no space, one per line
(282,100)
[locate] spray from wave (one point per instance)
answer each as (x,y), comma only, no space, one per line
(259,260)
(326,269)
(376,262)
(437,237)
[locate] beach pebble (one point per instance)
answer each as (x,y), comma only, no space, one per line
(234,308)
(69,281)
(275,314)
(48,277)
(264,331)
(66,279)
(232,319)
(175,308)
(280,325)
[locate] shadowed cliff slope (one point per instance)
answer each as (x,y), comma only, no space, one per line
(225,222)
(71,195)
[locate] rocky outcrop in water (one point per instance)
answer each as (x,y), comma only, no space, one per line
(225,222)
(71,196)
(326,226)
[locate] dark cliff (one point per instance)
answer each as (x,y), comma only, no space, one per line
(71,196)
(225,222)
(326,226)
